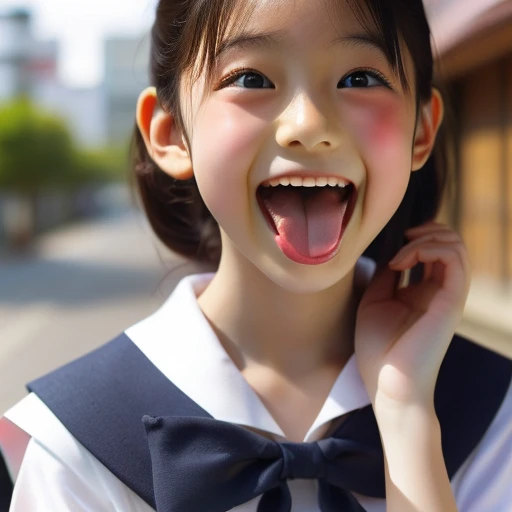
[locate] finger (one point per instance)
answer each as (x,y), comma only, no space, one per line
(439,238)
(403,259)
(459,247)
(407,256)
(453,271)
(427,271)
(444,235)
(432,239)
(437,273)
(429,226)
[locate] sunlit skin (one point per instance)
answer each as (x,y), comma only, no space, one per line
(290,327)
(241,137)
(305,122)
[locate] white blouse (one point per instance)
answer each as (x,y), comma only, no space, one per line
(54,473)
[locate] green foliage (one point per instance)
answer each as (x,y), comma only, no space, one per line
(36,149)
(37,152)
(102,165)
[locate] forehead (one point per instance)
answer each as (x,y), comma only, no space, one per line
(294,17)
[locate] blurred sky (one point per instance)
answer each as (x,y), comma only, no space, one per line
(80,26)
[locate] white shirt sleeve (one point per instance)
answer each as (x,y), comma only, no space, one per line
(45,483)
(484,482)
(58,474)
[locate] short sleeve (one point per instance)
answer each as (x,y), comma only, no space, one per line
(484,482)
(47,483)
(57,473)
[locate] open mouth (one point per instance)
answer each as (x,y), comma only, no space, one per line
(308,216)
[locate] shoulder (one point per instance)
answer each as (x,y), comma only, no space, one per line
(31,418)
(31,422)
(52,469)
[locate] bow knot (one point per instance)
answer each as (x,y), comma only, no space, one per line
(204,464)
(303,461)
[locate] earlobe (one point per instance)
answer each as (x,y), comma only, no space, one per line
(164,141)
(429,121)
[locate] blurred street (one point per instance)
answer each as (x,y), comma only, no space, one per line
(81,287)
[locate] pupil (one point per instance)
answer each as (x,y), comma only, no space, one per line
(359,80)
(253,81)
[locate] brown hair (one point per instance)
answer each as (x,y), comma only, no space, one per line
(187,29)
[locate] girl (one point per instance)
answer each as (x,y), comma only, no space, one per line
(282,141)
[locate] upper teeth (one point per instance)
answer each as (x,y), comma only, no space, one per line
(296,181)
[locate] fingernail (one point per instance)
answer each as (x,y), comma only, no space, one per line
(396,259)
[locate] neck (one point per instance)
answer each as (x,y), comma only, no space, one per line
(260,323)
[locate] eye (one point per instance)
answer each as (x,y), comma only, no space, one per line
(363,80)
(247,79)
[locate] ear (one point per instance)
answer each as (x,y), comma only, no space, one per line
(164,142)
(429,120)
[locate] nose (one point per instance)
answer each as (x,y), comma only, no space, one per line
(309,124)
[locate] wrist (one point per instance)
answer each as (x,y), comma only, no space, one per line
(400,417)
(396,390)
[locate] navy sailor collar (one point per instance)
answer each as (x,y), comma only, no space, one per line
(102,397)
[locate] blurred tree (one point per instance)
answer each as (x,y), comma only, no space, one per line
(36,149)
(37,153)
(102,165)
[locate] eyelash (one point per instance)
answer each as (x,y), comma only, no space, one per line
(373,73)
(234,75)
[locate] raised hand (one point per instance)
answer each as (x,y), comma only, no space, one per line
(402,333)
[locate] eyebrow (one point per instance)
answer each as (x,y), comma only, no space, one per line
(250,41)
(365,39)
(270,40)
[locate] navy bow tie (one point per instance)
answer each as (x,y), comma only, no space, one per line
(202,464)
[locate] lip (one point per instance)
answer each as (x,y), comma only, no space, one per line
(307,174)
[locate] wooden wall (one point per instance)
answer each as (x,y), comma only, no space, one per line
(484,104)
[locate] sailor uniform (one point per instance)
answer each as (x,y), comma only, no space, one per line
(174,366)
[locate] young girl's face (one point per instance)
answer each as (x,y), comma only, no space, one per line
(301,94)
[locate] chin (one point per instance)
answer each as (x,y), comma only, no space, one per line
(307,279)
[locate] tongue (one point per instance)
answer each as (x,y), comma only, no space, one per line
(310,222)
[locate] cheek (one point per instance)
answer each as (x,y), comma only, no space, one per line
(225,141)
(382,126)
(383,130)
(221,132)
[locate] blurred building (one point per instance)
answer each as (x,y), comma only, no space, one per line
(126,75)
(82,108)
(96,116)
(29,67)
(15,53)
(474,43)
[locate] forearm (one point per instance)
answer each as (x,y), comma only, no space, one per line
(416,476)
